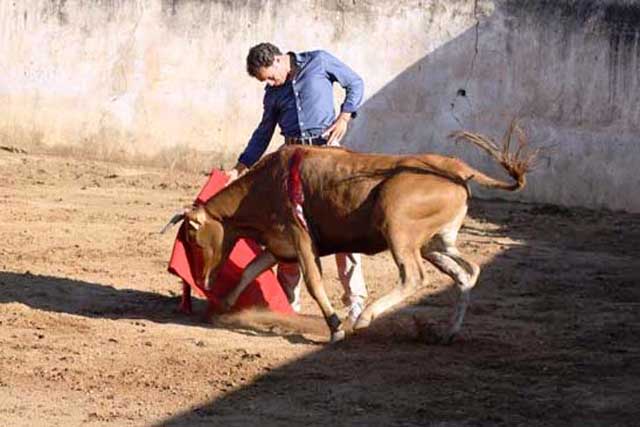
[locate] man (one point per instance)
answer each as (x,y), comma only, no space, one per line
(299,98)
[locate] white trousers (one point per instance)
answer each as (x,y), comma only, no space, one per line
(349,272)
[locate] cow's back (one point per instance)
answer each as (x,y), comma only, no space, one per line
(341,192)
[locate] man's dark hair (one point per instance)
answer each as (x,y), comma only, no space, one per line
(261,55)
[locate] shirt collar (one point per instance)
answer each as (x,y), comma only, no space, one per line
(301,58)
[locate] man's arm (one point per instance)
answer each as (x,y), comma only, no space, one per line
(258,143)
(348,79)
(353,85)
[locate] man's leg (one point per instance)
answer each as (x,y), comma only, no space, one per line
(289,277)
(355,290)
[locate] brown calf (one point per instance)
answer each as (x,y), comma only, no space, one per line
(412,205)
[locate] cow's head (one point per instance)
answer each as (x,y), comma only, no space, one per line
(207,233)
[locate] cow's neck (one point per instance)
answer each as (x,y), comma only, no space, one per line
(224,205)
(232,207)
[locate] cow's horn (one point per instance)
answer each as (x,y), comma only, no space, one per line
(174,220)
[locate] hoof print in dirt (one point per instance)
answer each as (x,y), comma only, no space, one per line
(433,334)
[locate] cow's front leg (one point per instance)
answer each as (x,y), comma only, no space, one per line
(257,266)
(310,265)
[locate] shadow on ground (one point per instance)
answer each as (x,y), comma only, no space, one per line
(85,298)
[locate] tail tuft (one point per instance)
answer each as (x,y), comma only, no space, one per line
(517,163)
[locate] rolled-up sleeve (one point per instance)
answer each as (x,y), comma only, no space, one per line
(353,84)
(261,136)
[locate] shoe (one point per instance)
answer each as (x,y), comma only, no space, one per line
(355,310)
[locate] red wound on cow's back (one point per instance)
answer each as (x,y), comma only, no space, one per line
(294,186)
(294,181)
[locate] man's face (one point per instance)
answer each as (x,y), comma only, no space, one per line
(275,74)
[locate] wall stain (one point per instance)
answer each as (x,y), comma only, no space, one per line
(54,9)
(617,21)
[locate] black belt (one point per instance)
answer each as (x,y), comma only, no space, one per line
(316,140)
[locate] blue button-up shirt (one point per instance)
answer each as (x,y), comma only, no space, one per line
(303,106)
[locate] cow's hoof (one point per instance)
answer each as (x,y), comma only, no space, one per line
(226,305)
(447,338)
(338,336)
(362,323)
(433,335)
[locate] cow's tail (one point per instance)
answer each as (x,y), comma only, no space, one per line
(516,162)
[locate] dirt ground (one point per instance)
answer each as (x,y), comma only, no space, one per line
(89,334)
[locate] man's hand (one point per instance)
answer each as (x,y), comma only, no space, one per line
(234,173)
(336,131)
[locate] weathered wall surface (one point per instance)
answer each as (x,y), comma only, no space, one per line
(570,69)
(141,76)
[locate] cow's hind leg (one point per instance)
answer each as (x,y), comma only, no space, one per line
(443,254)
(409,264)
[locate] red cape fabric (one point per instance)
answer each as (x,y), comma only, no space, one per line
(186,263)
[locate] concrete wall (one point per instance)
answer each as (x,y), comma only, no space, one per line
(143,76)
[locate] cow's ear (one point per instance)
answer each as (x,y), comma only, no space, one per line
(191,218)
(191,228)
(195,218)
(211,233)
(210,238)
